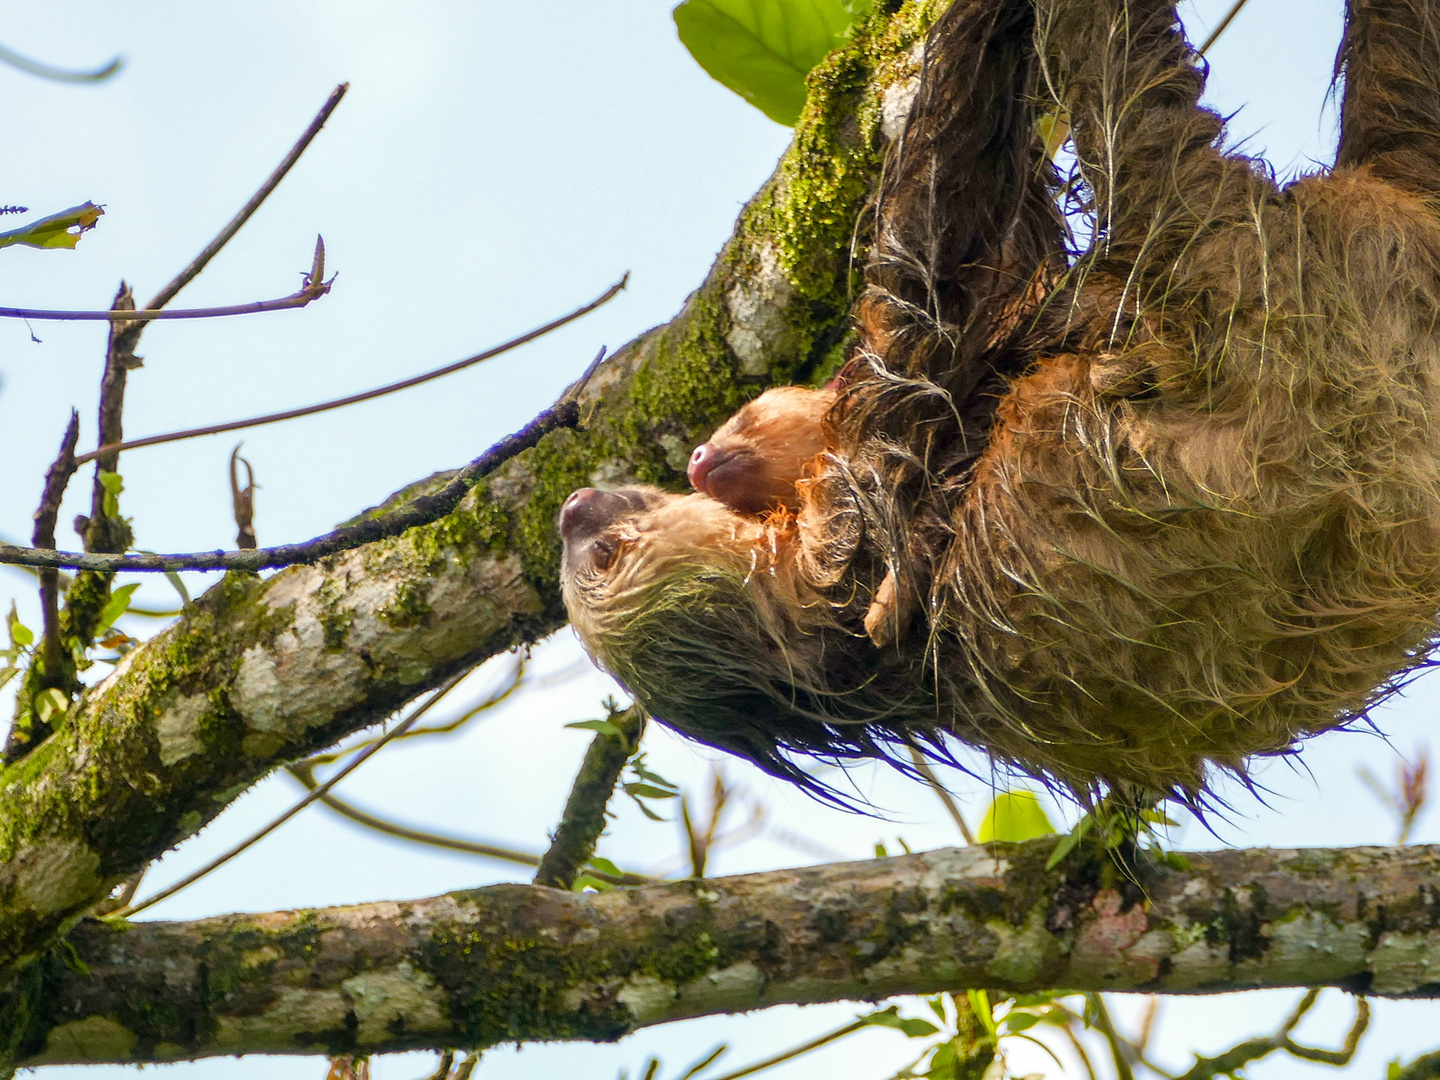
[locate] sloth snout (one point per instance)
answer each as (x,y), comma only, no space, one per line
(702,460)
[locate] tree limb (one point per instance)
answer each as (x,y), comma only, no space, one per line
(260,672)
(523,963)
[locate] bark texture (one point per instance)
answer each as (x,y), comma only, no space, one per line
(262,672)
(525,963)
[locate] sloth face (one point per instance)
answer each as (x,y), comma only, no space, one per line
(620,547)
(753,460)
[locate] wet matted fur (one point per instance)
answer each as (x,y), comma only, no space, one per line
(1124,516)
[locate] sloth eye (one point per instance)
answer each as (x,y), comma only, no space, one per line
(602,552)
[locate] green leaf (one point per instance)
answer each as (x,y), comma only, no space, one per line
(1068,841)
(1173,859)
(115,607)
(585,881)
(638,765)
(1014,816)
(881,852)
(937,1006)
(21,634)
(605,866)
(648,791)
(763,49)
(54,231)
(6,674)
(943,1063)
(603,727)
(913,1029)
(114,484)
(1016,1020)
(51,702)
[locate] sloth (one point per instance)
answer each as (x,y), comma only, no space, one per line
(1123,518)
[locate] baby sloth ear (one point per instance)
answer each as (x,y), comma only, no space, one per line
(753,460)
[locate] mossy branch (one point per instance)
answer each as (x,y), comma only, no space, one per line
(261,672)
(524,963)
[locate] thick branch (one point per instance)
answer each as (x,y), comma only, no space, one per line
(259,672)
(519,963)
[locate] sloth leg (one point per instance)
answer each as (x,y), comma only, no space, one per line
(1130,84)
(1390,118)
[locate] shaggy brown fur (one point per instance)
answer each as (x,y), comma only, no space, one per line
(1164,506)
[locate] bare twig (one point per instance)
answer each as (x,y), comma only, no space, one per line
(1412,791)
(442,1067)
(420,511)
(923,768)
(1253,1049)
(1120,1050)
(1221,26)
(57,74)
(242,500)
(312,289)
(313,796)
(813,1044)
(583,819)
(508,685)
(168,293)
(379,391)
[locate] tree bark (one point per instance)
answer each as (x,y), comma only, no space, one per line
(526,963)
(260,672)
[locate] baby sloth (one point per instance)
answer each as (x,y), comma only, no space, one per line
(1117,517)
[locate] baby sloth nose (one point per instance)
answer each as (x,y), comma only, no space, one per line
(702,460)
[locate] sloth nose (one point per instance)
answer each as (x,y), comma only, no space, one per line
(702,460)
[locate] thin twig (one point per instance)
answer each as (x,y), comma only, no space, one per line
(923,768)
(1221,26)
(57,74)
(1119,1048)
(442,1068)
(313,796)
(583,819)
(298,299)
(513,680)
(380,391)
(242,501)
(420,511)
(813,1044)
(168,293)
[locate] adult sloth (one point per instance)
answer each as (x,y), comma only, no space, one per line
(1116,519)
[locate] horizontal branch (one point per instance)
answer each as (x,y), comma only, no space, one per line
(260,672)
(520,963)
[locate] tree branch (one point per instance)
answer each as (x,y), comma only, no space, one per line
(584,818)
(523,963)
(261,672)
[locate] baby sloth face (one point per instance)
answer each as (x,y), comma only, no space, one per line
(753,460)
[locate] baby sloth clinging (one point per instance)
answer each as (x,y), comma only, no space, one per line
(1120,516)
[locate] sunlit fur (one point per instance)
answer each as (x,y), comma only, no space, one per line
(1161,506)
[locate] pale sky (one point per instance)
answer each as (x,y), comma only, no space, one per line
(494,164)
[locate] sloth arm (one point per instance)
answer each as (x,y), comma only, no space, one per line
(1390,118)
(1130,83)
